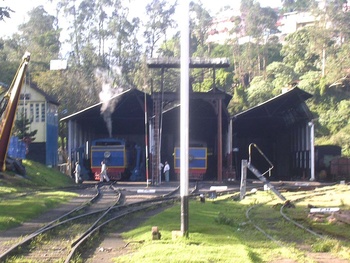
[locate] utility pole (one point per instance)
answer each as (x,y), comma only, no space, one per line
(184,114)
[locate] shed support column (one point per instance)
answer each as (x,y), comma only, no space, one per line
(219,140)
(312,150)
(229,146)
(70,145)
(156,140)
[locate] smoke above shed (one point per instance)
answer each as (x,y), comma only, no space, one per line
(108,96)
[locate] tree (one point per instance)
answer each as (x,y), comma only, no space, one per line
(342,138)
(199,27)
(296,5)
(259,24)
(77,87)
(160,15)
(8,65)
(70,87)
(338,64)
(280,75)
(21,128)
(333,17)
(259,91)
(40,37)
(338,116)
(239,100)
(125,53)
(297,51)
(104,39)
(170,48)
(259,21)
(5,12)
(310,82)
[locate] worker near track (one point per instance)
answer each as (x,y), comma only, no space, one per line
(166,171)
(77,172)
(103,174)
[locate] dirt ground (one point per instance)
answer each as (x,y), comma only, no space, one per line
(113,245)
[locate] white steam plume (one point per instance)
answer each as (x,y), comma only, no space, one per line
(108,91)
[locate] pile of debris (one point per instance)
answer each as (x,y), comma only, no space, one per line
(331,215)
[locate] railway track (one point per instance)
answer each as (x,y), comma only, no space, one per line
(282,215)
(64,238)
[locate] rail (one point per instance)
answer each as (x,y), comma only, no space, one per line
(57,222)
(306,227)
(94,220)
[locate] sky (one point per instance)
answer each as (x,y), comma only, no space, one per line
(22,7)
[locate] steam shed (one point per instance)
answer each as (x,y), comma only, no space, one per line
(283,129)
(149,125)
(208,122)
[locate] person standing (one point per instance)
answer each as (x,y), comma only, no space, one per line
(103,174)
(161,165)
(166,171)
(77,172)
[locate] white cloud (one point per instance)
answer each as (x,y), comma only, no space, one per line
(20,14)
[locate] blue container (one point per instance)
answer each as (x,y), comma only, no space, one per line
(16,149)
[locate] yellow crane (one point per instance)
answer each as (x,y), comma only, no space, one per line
(8,108)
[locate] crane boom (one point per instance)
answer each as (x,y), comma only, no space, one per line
(12,96)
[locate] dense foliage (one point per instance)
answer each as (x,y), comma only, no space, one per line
(107,45)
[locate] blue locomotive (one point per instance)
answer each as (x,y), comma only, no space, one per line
(113,152)
(197,163)
(125,161)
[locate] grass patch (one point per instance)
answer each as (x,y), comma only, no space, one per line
(337,196)
(326,245)
(24,198)
(219,232)
(40,175)
(18,210)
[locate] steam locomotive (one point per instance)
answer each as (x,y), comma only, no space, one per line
(124,160)
(113,152)
(197,163)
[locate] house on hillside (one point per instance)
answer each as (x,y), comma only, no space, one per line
(41,110)
(293,21)
(224,25)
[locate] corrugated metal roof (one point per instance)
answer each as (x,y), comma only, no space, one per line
(98,105)
(274,115)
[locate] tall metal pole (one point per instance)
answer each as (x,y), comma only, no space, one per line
(146,137)
(184,117)
(312,150)
(160,129)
